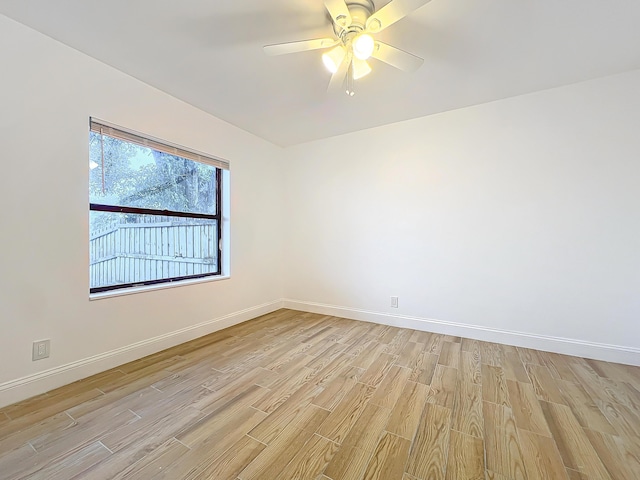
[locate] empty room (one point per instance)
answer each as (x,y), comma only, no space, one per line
(324,240)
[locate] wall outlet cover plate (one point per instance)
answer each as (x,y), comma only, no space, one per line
(41,349)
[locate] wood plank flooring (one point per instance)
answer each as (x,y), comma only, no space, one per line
(293,395)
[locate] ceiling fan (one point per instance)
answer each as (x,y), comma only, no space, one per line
(355,22)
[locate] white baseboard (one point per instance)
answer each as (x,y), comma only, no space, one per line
(25,387)
(41,382)
(566,346)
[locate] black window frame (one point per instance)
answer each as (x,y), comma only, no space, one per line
(217,216)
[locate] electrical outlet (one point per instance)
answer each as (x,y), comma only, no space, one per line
(394,302)
(41,349)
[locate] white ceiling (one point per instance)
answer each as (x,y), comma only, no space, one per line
(209,53)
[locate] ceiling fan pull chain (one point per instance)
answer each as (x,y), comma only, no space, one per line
(350,81)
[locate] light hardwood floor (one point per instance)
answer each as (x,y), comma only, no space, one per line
(294,395)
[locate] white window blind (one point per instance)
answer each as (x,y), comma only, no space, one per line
(104,128)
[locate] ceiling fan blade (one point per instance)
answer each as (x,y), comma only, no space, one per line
(395,57)
(392,12)
(337,79)
(303,46)
(339,12)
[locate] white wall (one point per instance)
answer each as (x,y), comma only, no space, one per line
(47,93)
(521,215)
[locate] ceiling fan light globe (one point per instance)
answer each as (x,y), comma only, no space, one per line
(333,58)
(360,68)
(328,63)
(363,46)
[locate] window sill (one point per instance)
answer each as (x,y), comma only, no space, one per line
(159,286)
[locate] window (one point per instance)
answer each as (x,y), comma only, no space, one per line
(155,210)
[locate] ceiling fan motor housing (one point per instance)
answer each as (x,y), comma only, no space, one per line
(360,11)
